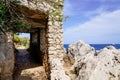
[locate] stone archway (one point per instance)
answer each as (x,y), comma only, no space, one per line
(38,44)
(46,17)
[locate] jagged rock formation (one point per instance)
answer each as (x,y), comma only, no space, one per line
(100,65)
(77,50)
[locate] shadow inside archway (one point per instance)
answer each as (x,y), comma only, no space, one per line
(26,68)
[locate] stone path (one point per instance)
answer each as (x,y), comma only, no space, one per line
(26,68)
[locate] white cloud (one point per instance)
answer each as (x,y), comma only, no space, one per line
(85,8)
(97,11)
(104,28)
(24,35)
(101,9)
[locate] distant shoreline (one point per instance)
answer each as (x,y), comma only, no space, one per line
(98,46)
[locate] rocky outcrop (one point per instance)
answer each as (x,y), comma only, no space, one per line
(6,57)
(77,50)
(57,72)
(100,65)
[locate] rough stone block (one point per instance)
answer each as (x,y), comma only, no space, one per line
(2,38)
(6,77)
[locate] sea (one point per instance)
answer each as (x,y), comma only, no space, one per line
(98,46)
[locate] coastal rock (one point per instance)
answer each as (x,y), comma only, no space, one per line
(96,65)
(77,50)
(110,47)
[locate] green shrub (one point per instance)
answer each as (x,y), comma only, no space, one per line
(73,71)
(22,41)
(16,39)
(11,17)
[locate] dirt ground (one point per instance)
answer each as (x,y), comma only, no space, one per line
(26,68)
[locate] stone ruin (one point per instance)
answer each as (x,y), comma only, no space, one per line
(45,17)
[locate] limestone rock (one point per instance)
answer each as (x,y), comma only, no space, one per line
(100,65)
(77,50)
(57,71)
(94,65)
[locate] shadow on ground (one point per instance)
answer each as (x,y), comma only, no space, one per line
(26,68)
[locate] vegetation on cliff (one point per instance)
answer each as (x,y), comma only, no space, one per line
(11,17)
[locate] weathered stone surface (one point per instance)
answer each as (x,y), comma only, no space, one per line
(37,73)
(57,71)
(2,38)
(104,66)
(100,65)
(45,15)
(6,57)
(2,51)
(77,50)
(43,46)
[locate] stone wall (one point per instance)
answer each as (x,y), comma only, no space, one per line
(55,48)
(34,37)
(51,40)
(55,42)
(46,13)
(43,40)
(6,56)
(43,49)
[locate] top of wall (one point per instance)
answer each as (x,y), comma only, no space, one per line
(36,11)
(43,5)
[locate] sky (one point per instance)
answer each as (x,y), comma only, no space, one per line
(24,35)
(93,21)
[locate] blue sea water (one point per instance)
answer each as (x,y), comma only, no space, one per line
(98,46)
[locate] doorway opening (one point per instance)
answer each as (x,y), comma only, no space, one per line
(28,57)
(22,40)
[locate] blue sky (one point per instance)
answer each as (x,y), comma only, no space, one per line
(24,35)
(93,21)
